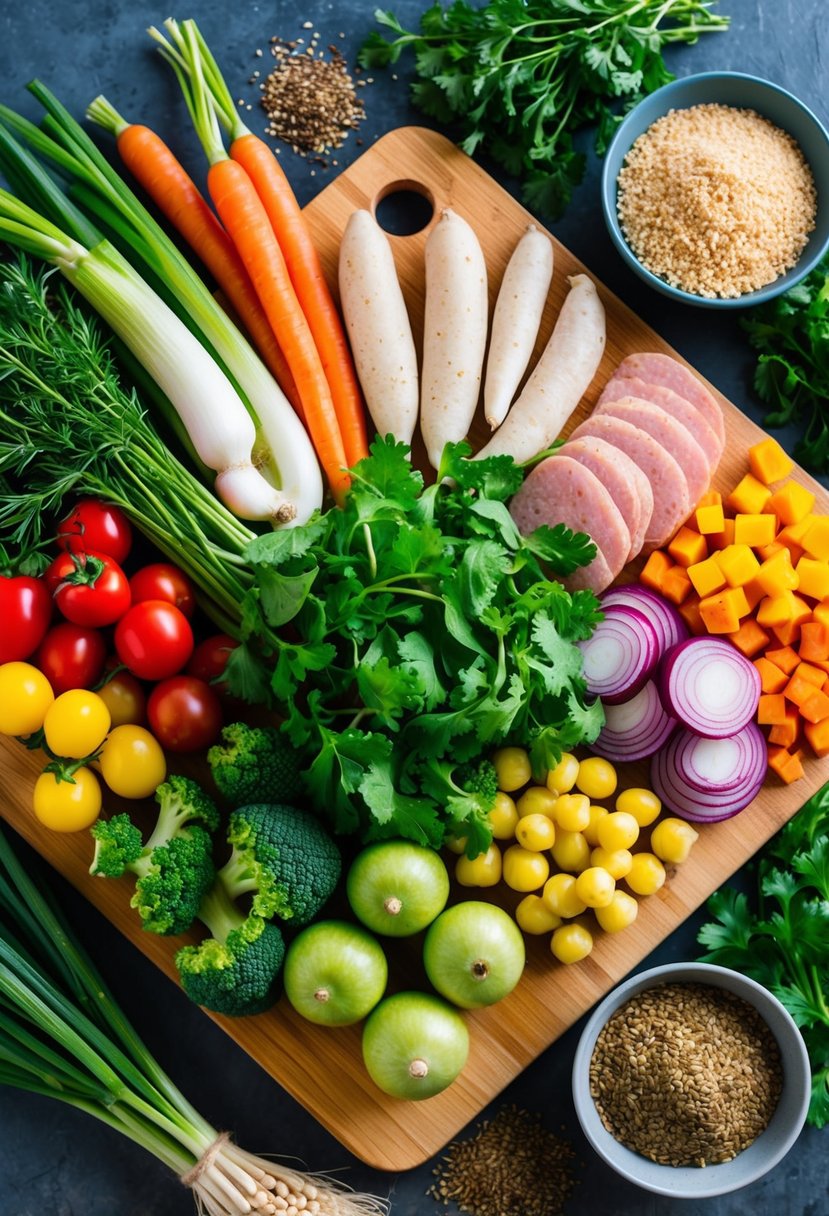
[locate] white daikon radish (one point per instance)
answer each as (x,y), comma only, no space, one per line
(378,327)
(559,380)
(516,320)
(454,333)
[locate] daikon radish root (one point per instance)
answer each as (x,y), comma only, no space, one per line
(378,327)
(454,333)
(516,320)
(559,379)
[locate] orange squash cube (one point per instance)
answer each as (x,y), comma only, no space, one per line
(814,641)
(754,530)
(709,519)
(817,735)
(769,462)
(792,502)
(772,679)
(749,639)
(771,709)
(688,547)
(813,578)
(777,574)
(816,538)
(738,564)
(749,496)
(786,658)
(655,569)
(707,577)
(784,734)
(676,585)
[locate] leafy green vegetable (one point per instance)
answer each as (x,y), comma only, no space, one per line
(791,332)
(783,942)
(418,630)
(519,77)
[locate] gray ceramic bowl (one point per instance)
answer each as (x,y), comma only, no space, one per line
(689,1182)
(744,92)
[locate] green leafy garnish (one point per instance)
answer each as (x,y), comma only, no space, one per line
(782,941)
(519,77)
(791,332)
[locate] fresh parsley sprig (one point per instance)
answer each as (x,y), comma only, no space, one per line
(783,941)
(517,78)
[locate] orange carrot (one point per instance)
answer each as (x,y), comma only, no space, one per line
(292,232)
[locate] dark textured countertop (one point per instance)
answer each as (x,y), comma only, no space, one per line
(57,1162)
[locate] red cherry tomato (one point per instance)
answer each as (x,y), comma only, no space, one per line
(209,659)
(97,527)
(89,588)
(185,714)
(154,640)
(25,611)
(164,581)
(71,656)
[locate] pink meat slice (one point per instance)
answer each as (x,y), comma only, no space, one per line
(562,491)
(671,501)
(624,481)
(676,439)
(655,368)
(691,418)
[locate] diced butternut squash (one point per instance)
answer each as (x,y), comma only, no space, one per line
(711,498)
(814,641)
(771,709)
(676,585)
(766,551)
(820,612)
(787,765)
(709,518)
(720,612)
(754,530)
(688,547)
(749,496)
(813,578)
(782,609)
(817,735)
(811,672)
(738,564)
(753,593)
(749,639)
(784,657)
(655,569)
(815,708)
(689,611)
(791,503)
(777,574)
(784,734)
(787,634)
(768,461)
(707,577)
(799,690)
(772,679)
(719,540)
(816,539)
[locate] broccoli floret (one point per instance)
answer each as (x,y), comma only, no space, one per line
(236,971)
(284,857)
(467,793)
(174,869)
(255,764)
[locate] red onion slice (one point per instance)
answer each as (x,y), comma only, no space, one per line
(620,655)
(665,618)
(706,780)
(635,728)
(709,686)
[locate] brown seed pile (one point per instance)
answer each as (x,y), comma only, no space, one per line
(715,200)
(511,1166)
(311,101)
(686,1074)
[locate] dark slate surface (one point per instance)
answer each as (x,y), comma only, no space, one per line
(56,1162)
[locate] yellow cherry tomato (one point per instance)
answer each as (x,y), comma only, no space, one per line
(523,870)
(25,697)
(619,830)
(481,871)
(596,778)
(671,840)
(533,916)
(562,778)
(571,851)
(503,817)
(124,698)
(617,863)
(571,943)
(535,832)
(595,886)
(455,844)
(76,724)
(512,768)
(560,896)
(597,813)
(646,875)
(573,812)
(537,800)
(132,762)
(642,804)
(66,806)
(619,913)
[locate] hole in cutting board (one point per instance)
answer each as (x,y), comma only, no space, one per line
(404,208)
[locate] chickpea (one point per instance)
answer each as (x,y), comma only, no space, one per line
(535,832)
(560,896)
(617,863)
(619,913)
(571,943)
(646,875)
(562,778)
(597,813)
(642,804)
(671,840)
(618,831)
(533,916)
(597,778)
(523,870)
(512,767)
(503,817)
(571,851)
(573,812)
(537,800)
(481,871)
(595,887)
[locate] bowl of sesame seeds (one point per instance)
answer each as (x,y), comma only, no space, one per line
(715,190)
(691,1080)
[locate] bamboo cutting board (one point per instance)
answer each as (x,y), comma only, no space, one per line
(323,1068)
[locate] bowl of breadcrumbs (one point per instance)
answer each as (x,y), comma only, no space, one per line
(691,1080)
(715,190)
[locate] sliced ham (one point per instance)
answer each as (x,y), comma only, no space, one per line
(622,478)
(678,407)
(676,439)
(562,491)
(656,368)
(671,501)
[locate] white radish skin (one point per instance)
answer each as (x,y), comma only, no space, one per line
(378,327)
(559,380)
(516,320)
(454,333)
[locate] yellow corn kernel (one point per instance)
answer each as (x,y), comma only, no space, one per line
(481,871)
(768,461)
(571,851)
(523,870)
(619,831)
(512,768)
(813,578)
(671,840)
(816,539)
(646,875)
(777,574)
(597,813)
(572,812)
(619,913)
(644,805)
(562,778)
(503,817)
(595,886)
(792,503)
(537,800)
(560,896)
(597,778)
(571,943)
(749,496)
(707,576)
(535,832)
(617,863)
(533,916)
(738,563)
(754,530)
(710,519)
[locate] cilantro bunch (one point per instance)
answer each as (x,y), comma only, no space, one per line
(407,634)
(517,78)
(783,942)
(791,332)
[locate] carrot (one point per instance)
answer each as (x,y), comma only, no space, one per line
(176,195)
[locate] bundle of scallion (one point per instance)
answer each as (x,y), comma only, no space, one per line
(62,1035)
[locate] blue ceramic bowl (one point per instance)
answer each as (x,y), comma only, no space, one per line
(744,92)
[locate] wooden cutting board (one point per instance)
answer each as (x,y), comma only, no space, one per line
(322,1068)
